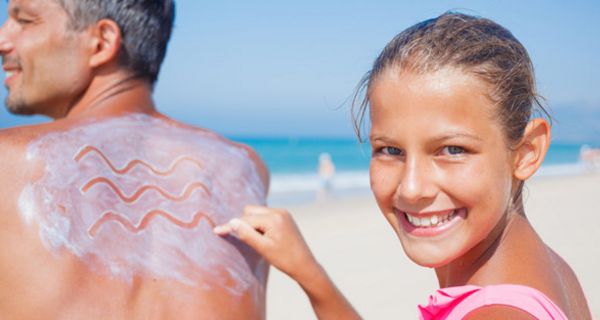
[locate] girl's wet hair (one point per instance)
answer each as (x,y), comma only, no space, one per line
(474,45)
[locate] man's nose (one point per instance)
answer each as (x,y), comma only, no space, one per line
(417,182)
(6,44)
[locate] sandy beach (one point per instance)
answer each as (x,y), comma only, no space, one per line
(363,256)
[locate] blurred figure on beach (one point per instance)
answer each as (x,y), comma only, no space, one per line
(326,173)
(590,157)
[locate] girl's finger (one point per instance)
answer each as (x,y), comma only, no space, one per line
(247,234)
(223,229)
(260,223)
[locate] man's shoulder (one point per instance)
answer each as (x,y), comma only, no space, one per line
(262,169)
(252,154)
(13,140)
(17,138)
(14,143)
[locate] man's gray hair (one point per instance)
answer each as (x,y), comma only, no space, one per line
(146,27)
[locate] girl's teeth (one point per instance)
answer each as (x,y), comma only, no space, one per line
(432,221)
(414,221)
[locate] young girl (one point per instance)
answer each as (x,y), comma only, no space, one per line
(453,140)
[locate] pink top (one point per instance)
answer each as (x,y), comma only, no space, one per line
(456,302)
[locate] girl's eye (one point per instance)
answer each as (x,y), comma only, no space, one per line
(453,150)
(391,151)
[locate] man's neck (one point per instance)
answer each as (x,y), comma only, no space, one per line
(113,97)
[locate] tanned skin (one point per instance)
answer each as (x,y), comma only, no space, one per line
(434,147)
(73,77)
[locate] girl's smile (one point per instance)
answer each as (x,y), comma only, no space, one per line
(441,169)
(429,224)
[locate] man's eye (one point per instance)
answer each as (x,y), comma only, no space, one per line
(453,150)
(23,21)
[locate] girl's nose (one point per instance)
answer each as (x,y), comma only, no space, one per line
(417,182)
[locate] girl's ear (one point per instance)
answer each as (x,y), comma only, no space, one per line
(531,151)
(106,42)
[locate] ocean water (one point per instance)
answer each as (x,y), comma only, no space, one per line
(293,164)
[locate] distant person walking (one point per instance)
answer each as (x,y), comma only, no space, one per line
(326,173)
(590,157)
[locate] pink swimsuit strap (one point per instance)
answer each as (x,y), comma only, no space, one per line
(457,302)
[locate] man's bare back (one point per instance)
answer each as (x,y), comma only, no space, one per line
(113,219)
(107,211)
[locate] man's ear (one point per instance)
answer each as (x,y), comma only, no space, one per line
(531,151)
(106,42)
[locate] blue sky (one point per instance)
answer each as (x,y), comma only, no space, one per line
(287,68)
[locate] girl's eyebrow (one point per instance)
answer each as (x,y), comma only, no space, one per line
(453,135)
(443,137)
(376,137)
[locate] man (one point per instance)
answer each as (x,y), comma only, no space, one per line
(107,212)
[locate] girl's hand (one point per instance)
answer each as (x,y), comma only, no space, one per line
(274,235)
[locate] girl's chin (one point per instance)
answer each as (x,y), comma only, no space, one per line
(430,263)
(426,258)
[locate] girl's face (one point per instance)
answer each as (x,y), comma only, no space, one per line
(441,170)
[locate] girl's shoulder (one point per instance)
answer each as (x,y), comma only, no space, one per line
(458,302)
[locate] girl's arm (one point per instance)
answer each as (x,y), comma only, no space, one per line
(274,234)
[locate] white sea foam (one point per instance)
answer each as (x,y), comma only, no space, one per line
(289,189)
(565,169)
(285,183)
